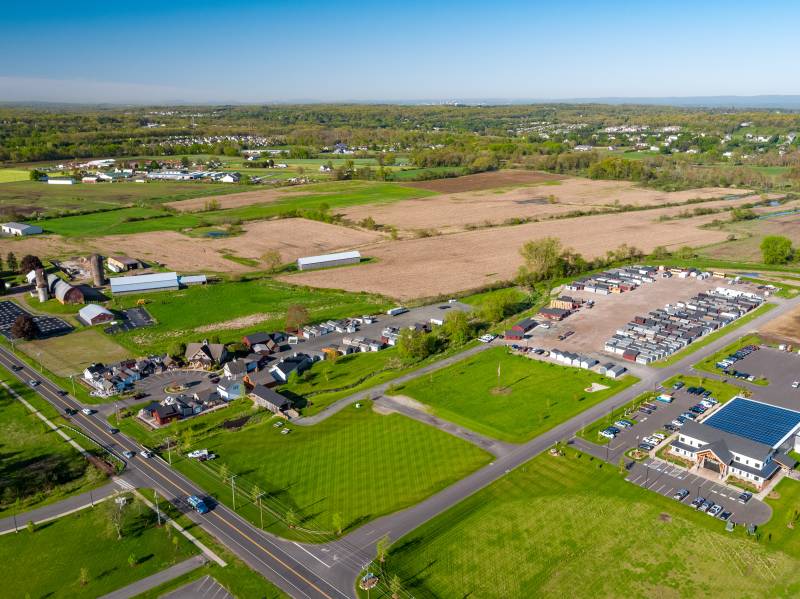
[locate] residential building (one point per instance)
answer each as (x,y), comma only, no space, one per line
(205,354)
(273,401)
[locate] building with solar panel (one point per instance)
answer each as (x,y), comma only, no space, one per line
(745,439)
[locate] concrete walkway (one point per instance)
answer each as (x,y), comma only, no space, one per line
(493,446)
(377,391)
(157,579)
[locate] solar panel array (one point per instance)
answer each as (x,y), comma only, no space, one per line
(48,325)
(759,422)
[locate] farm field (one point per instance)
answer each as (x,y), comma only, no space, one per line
(232,309)
(38,467)
(520,537)
(71,354)
(87,540)
(419,268)
(11,175)
(27,197)
(784,329)
(487,180)
(528,398)
(749,235)
(357,463)
(543,199)
(139,220)
(293,238)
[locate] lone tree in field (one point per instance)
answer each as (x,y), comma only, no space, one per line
(296,317)
(395,586)
(11,262)
(272,260)
(83,577)
(382,548)
(24,327)
(29,263)
(776,249)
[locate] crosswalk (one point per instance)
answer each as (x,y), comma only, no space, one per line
(124,484)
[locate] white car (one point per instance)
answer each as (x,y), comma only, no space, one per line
(146,454)
(795,384)
(198,453)
(659,436)
(87,411)
(487,338)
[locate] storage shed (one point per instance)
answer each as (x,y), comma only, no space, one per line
(327,260)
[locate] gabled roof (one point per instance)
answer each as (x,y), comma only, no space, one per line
(212,351)
(269,396)
(735,443)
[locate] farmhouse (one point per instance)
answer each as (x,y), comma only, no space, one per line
(122,263)
(273,401)
(328,260)
(20,229)
(745,440)
(94,314)
(161,281)
(230,178)
(205,354)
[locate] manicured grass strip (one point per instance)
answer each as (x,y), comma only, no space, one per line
(703,341)
(38,466)
(720,391)
(510,397)
(558,527)
(48,562)
(9,175)
(709,364)
(357,463)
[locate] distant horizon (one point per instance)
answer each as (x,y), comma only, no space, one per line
(309,51)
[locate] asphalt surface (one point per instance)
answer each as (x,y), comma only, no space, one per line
(329,570)
(150,582)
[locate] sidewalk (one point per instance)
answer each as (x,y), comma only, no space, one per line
(157,579)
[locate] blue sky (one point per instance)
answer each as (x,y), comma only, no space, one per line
(336,51)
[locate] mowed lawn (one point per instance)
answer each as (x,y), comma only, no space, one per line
(357,463)
(234,308)
(72,353)
(570,526)
(37,466)
(143,219)
(48,562)
(528,398)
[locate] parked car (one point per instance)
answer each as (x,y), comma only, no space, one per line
(680,494)
(16,368)
(487,338)
(698,501)
(646,446)
(623,423)
(724,515)
(705,506)
(607,434)
(112,431)
(714,511)
(795,384)
(678,385)
(745,497)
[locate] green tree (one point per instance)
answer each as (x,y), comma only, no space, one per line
(395,586)
(31,526)
(776,249)
(272,260)
(382,548)
(498,305)
(337,523)
(11,262)
(36,175)
(185,162)
(414,345)
(659,253)
(542,260)
(457,327)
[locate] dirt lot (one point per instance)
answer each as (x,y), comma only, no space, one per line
(611,312)
(445,264)
(491,180)
(784,329)
(291,237)
(460,211)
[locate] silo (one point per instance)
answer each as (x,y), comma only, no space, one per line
(96,266)
(41,285)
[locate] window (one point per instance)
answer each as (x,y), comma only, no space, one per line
(756,478)
(683,439)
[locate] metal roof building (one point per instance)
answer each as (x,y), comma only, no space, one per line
(327,260)
(160,281)
(95,314)
(760,422)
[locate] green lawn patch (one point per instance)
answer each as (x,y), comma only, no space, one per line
(720,391)
(219,309)
(10,175)
(703,341)
(709,364)
(38,467)
(48,562)
(528,398)
(357,463)
(572,527)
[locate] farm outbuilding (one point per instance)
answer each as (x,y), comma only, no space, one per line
(94,314)
(63,291)
(328,260)
(161,281)
(122,263)
(20,229)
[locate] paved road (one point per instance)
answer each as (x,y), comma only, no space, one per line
(159,578)
(203,588)
(61,508)
(328,570)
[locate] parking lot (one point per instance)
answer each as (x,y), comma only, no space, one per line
(664,478)
(780,368)
(132,318)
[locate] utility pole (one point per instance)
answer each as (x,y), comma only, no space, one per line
(169,450)
(72,378)
(158,512)
(233,490)
(260,511)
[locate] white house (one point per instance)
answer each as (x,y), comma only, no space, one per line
(20,229)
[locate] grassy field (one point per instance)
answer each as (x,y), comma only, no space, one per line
(48,562)
(703,341)
(11,175)
(26,197)
(142,219)
(71,354)
(528,398)
(572,527)
(36,466)
(232,309)
(357,463)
